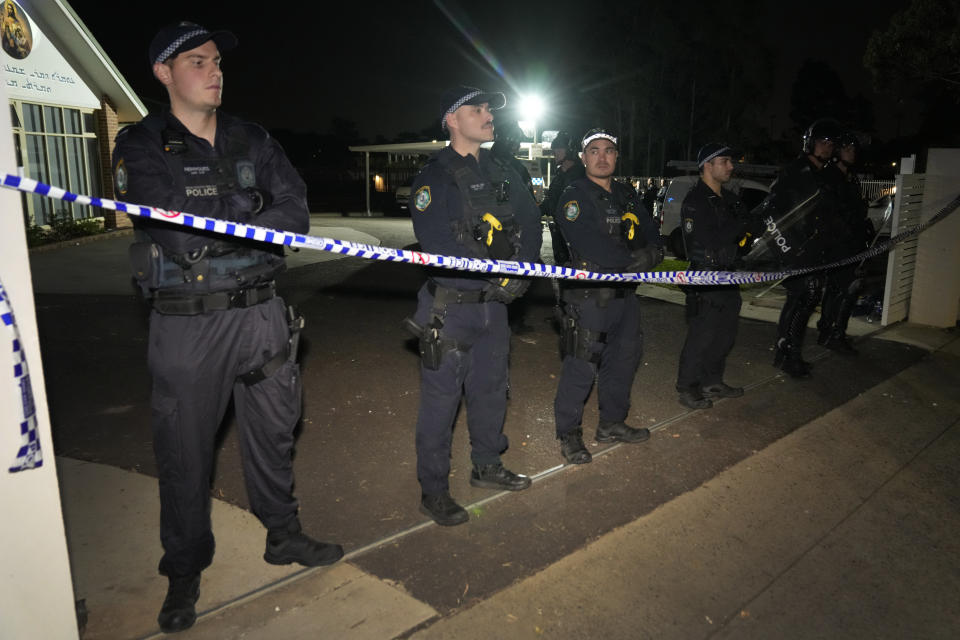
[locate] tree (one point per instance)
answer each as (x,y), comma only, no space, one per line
(919,50)
(670,85)
(818,92)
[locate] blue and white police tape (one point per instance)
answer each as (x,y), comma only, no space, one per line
(28,455)
(508,267)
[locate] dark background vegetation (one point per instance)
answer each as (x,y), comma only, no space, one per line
(668,76)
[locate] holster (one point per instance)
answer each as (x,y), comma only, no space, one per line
(146,261)
(693,305)
(295,322)
(575,340)
(568,336)
(430,345)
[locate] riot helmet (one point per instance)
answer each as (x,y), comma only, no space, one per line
(847,148)
(509,131)
(847,139)
(507,138)
(563,141)
(822,129)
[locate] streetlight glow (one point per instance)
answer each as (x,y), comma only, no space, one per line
(532,107)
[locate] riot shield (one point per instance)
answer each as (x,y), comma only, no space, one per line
(787,227)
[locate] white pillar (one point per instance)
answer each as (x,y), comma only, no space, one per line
(36,593)
(935,299)
(367,181)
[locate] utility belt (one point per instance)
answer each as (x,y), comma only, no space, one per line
(442,296)
(213,266)
(185,304)
(600,296)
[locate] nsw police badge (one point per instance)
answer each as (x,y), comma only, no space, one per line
(571,210)
(688,225)
(120,177)
(422,198)
(246,174)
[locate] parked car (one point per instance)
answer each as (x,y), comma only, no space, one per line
(402,196)
(880,213)
(751,192)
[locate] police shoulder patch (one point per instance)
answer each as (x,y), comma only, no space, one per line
(422,198)
(121,177)
(688,225)
(571,210)
(246,174)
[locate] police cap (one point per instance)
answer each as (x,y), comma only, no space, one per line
(597,134)
(456,97)
(183,36)
(715,150)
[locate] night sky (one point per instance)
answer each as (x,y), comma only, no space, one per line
(383,65)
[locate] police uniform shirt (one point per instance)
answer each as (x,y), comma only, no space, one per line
(195,177)
(590,219)
(438,210)
(712,226)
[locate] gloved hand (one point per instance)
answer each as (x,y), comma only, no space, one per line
(645,258)
(506,290)
(247,203)
(261,199)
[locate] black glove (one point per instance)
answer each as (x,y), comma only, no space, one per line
(645,258)
(261,199)
(506,290)
(247,203)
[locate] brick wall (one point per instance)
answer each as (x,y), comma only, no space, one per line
(107,135)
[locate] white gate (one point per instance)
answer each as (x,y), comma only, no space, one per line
(903,258)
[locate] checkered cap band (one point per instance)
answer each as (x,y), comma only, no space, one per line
(173,46)
(456,105)
(597,136)
(722,151)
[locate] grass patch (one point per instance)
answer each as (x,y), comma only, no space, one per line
(671,264)
(62,227)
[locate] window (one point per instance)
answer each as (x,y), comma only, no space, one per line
(61,150)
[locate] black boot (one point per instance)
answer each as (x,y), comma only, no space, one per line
(837,341)
(496,476)
(573,449)
(286,545)
(721,390)
(787,358)
(694,399)
(443,509)
(620,432)
(178,611)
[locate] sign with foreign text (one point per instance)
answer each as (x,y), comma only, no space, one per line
(33,70)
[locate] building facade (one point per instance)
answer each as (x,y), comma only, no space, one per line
(67,100)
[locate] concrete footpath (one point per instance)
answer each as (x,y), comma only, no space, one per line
(846,528)
(843,529)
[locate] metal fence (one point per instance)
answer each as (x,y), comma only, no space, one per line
(873,189)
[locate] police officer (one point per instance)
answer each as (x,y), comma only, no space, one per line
(606,229)
(508,137)
(713,225)
(804,180)
(506,146)
(854,231)
(217,327)
(466,205)
(567,168)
